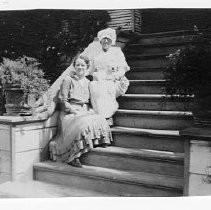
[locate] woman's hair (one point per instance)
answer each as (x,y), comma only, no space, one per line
(109,33)
(83,57)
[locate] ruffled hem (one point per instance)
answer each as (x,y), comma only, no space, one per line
(93,131)
(77,147)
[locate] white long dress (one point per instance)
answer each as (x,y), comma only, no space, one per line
(108,69)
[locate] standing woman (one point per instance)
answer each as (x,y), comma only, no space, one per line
(79,128)
(108,69)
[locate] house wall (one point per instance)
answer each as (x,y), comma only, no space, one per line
(126,19)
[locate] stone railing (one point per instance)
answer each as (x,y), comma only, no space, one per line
(23,142)
(197,160)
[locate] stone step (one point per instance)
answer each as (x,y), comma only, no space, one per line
(146,86)
(175,37)
(165,40)
(142,160)
(109,181)
(162,120)
(37,189)
(154,102)
(137,56)
(167,35)
(139,73)
(136,36)
(156,49)
(152,61)
(163,140)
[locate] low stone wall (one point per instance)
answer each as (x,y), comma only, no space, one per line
(23,142)
(197,160)
(200,168)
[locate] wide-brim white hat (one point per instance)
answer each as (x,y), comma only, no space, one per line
(107,33)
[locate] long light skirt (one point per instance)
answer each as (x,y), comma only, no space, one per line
(77,135)
(104,94)
(103,97)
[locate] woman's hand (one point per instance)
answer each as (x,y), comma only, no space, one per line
(119,74)
(73,111)
(76,112)
(68,109)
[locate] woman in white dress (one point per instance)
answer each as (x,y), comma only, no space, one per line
(108,69)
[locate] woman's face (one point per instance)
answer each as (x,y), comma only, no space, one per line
(106,43)
(80,68)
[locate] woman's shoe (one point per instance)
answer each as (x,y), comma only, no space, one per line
(76,163)
(104,145)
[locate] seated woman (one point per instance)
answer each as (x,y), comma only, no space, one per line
(108,67)
(79,128)
(108,70)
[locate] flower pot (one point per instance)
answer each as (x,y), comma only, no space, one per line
(16,103)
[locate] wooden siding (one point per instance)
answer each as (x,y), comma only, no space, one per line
(128,20)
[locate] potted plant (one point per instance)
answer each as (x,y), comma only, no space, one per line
(23,82)
(189,74)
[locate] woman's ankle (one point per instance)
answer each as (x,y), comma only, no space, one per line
(104,145)
(76,163)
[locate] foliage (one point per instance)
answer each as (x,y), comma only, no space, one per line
(24,72)
(189,69)
(53,37)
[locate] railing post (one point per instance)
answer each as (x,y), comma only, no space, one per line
(197,174)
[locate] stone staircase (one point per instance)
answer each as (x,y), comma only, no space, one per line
(147,155)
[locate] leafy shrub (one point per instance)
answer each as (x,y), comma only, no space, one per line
(25,73)
(53,37)
(189,69)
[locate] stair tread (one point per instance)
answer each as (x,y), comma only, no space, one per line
(165,33)
(148,81)
(137,178)
(147,55)
(142,131)
(150,112)
(160,44)
(145,69)
(38,189)
(141,95)
(156,96)
(140,153)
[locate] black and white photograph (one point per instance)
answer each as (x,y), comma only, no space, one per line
(105,102)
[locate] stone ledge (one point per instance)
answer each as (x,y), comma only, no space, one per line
(20,120)
(202,133)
